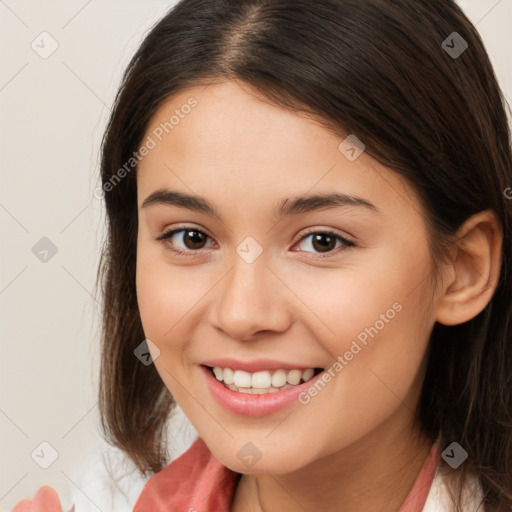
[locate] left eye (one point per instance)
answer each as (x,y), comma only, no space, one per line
(322,241)
(325,241)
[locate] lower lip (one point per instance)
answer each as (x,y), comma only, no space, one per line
(254,405)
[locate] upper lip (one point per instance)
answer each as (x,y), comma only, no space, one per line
(255,365)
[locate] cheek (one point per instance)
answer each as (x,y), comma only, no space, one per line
(163,292)
(376,327)
(377,318)
(166,297)
(381,294)
(170,300)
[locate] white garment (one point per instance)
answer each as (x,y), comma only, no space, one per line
(439,499)
(109,482)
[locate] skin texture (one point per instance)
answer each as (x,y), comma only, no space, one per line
(245,155)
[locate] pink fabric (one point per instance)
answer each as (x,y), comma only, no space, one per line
(198,482)
(195,482)
(415,501)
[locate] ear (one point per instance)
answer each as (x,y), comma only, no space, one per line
(474,269)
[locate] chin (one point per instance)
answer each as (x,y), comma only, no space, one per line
(270,462)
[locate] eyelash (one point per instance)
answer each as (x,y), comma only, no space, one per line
(163,238)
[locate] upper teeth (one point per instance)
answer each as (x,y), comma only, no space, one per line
(262,380)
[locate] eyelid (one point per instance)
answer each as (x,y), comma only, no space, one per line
(309,231)
(166,232)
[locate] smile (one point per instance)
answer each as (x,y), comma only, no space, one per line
(257,401)
(259,383)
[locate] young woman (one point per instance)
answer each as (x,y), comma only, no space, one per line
(309,252)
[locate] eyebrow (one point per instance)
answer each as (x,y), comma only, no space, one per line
(294,206)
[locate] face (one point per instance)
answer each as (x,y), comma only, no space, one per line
(344,287)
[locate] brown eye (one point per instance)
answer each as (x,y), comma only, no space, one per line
(324,242)
(191,240)
(194,237)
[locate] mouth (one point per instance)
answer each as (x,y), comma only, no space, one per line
(262,382)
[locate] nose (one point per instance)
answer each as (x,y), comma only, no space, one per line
(251,299)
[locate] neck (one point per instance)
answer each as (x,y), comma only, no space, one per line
(375,473)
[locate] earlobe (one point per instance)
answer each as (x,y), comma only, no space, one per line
(474,269)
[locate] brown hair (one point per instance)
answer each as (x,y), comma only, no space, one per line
(378,69)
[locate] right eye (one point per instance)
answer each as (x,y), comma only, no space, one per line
(192,238)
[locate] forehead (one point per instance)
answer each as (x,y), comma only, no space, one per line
(232,122)
(226,141)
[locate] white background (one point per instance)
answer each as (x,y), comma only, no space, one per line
(53,112)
